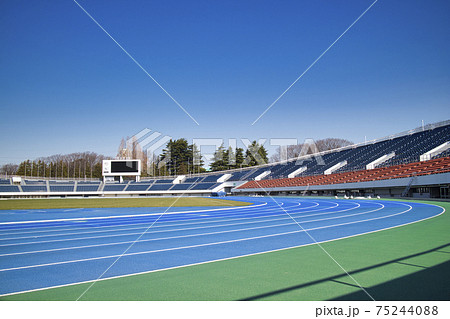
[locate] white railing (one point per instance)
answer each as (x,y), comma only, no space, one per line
(301,158)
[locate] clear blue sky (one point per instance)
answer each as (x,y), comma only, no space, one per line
(65,86)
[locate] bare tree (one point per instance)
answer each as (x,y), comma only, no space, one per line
(332,143)
(122,149)
(9,169)
(294,151)
(290,151)
(85,164)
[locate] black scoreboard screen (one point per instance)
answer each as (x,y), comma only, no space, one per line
(124,167)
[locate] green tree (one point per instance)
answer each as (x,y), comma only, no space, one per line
(178,156)
(239,157)
(197,161)
(230,158)
(21,169)
(218,163)
(255,155)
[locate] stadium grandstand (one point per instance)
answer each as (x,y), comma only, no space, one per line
(415,163)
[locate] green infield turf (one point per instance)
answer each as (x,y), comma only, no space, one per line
(410,262)
(116,202)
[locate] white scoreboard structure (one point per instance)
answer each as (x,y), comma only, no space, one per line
(120,168)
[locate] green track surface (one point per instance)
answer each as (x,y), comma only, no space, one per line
(411,262)
(116,202)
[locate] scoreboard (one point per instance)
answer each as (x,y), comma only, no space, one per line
(121,168)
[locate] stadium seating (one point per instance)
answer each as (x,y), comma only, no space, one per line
(87,188)
(256,172)
(204,186)
(239,176)
(160,187)
(35,182)
(9,188)
(340,166)
(193,179)
(136,187)
(163,181)
(62,182)
(211,178)
(114,187)
(179,187)
(443,154)
(34,188)
(436,166)
(407,148)
(61,188)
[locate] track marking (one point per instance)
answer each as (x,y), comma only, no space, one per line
(123,216)
(187,221)
(75,227)
(192,235)
(168,230)
(217,260)
(201,245)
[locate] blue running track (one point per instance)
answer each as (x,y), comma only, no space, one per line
(56,247)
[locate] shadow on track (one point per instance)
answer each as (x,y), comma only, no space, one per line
(431,283)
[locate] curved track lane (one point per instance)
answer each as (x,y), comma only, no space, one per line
(58,247)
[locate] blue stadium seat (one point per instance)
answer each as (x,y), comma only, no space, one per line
(138,187)
(9,188)
(203,186)
(62,182)
(35,182)
(211,178)
(61,188)
(160,187)
(237,176)
(34,188)
(179,187)
(164,181)
(408,148)
(191,180)
(87,188)
(114,187)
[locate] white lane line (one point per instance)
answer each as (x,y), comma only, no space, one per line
(148,240)
(63,227)
(76,227)
(192,235)
(169,223)
(124,216)
(202,245)
(220,259)
(167,230)
(131,226)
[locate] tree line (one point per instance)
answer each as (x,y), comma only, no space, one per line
(181,158)
(311,147)
(177,158)
(225,159)
(74,165)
